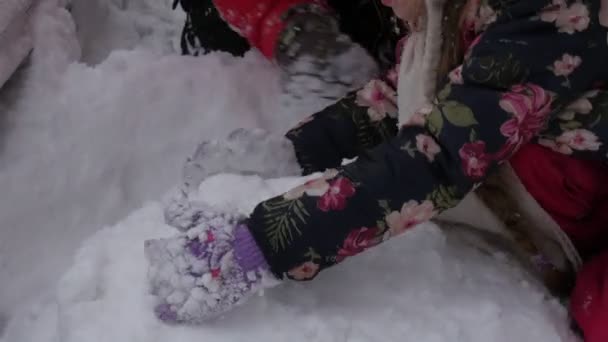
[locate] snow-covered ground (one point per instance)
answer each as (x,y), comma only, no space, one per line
(421,287)
(83,144)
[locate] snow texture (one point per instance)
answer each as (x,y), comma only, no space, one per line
(83,144)
(101,121)
(421,287)
(244,151)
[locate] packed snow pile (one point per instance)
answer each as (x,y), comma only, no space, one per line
(421,287)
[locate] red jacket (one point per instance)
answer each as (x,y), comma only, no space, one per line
(589,302)
(260,21)
(575,193)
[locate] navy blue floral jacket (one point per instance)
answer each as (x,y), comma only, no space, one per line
(537,72)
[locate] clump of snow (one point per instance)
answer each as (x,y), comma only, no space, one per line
(424,286)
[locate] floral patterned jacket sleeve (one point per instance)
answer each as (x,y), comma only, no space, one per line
(528,76)
(361,120)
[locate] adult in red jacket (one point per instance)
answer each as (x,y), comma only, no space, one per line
(321,46)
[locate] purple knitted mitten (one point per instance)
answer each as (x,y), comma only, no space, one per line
(206,271)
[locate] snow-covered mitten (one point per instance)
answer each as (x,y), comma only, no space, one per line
(245,151)
(317,59)
(206,271)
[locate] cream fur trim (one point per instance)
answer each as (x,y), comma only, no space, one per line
(419,64)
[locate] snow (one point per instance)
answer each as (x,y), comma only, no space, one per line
(83,145)
(424,286)
(101,122)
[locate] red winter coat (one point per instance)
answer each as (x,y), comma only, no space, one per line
(258,20)
(575,193)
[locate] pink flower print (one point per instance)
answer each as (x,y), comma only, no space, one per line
(530,105)
(412,213)
(475,160)
(306,271)
(573,19)
(579,140)
(336,196)
(380,99)
(566,65)
(358,241)
(568,19)
(456,76)
(427,146)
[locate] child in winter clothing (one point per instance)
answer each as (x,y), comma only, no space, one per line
(470,96)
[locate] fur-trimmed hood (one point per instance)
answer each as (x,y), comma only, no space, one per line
(420,62)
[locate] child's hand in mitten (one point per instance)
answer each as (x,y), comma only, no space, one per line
(206,271)
(317,59)
(244,151)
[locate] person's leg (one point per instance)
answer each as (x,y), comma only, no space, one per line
(589,302)
(205,31)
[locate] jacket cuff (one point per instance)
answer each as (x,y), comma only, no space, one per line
(246,251)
